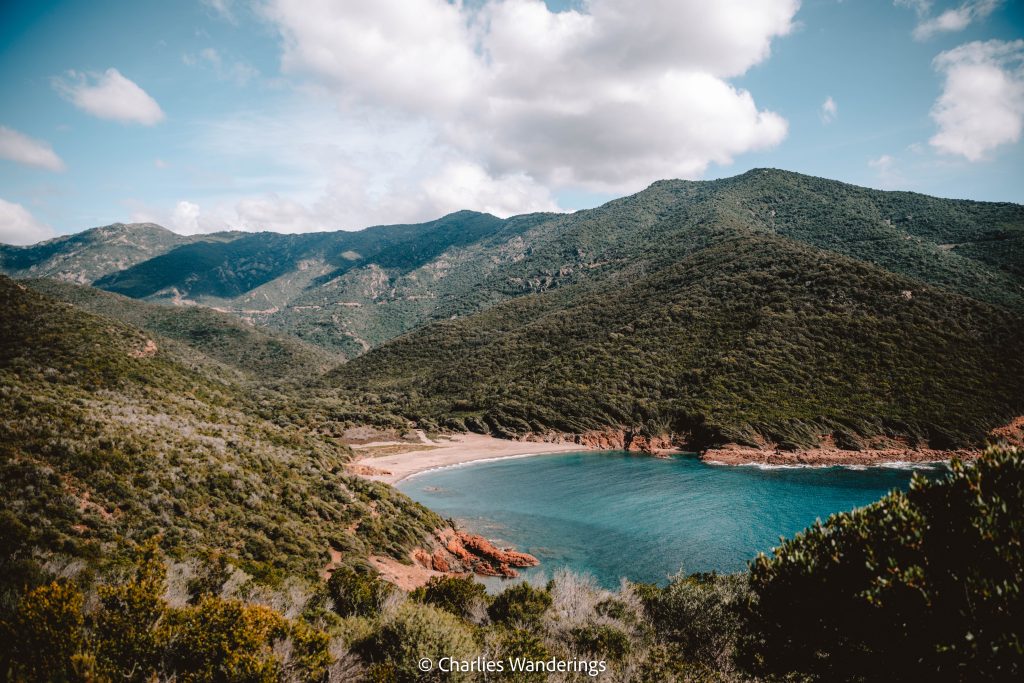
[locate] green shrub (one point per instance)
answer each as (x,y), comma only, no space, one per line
(601,640)
(521,643)
(356,591)
(455,594)
(520,604)
(921,585)
(421,631)
(47,632)
(701,615)
(130,628)
(226,640)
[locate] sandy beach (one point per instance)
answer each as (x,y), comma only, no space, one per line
(454,450)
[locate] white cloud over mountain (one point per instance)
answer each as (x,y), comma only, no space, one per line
(22,149)
(609,97)
(110,96)
(982,102)
(18,226)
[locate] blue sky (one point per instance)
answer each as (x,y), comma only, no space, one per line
(313,115)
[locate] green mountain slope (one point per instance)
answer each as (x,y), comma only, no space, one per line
(753,336)
(261,355)
(87,256)
(352,291)
(111,434)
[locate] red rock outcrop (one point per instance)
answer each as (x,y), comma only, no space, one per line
(461,552)
(614,439)
(1011,434)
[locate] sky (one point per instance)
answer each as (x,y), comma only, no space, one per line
(309,115)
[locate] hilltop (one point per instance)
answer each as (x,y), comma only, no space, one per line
(771,309)
(353,291)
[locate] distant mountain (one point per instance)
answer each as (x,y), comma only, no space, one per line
(352,291)
(87,256)
(768,306)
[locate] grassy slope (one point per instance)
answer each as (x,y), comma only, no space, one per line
(257,353)
(753,335)
(100,443)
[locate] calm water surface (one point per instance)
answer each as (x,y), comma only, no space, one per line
(619,514)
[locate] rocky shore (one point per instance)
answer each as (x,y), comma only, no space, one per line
(460,552)
(734,454)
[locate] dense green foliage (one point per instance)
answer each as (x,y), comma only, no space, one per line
(261,355)
(755,338)
(521,605)
(923,585)
(132,633)
(109,434)
(356,591)
(460,595)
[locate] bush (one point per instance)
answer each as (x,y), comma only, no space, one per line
(419,631)
(701,615)
(520,604)
(455,594)
(48,632)
(356,591)
(601,640)
(926,584)
(129,627)
(226,640)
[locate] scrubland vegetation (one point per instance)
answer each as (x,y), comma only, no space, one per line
(920,585)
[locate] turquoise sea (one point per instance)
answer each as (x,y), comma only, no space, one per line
(615,514)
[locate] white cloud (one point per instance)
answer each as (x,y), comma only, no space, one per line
(982,101)
(609,97)
(18,226)
(110,96)
(887,173)
(29,151)
(829,110)
(951,20)
(185,218)
(921,7)
(462,184)
(882,163)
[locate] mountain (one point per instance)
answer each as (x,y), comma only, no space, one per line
(352,291)
(752,338)
(110,434)
(261,355)
(768,307)
(87,256)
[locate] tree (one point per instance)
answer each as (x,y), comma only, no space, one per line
(926,584)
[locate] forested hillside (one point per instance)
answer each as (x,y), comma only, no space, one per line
(752,338)
(353,291)
(110,434)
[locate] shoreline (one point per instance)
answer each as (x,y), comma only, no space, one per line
(738,456)
(470,448)
(459,449)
